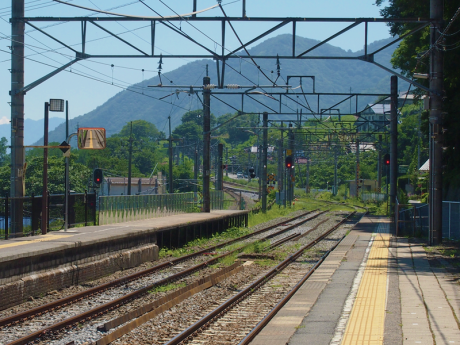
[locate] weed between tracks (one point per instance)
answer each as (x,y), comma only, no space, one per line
(200,243)
(168,287)
(257,247)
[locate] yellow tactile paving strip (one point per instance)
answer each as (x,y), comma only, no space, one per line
(366,322)
(43,238)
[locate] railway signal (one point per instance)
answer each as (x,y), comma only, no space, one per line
(98,176)
(386,159)
(252,172)
(288,162)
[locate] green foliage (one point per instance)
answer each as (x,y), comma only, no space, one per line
(406,58)
(168,287)
(200,243)
(4,157)
(257,247)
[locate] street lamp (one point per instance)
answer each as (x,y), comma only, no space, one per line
(52,105)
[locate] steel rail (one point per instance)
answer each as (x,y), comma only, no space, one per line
(256,330)
(101,309)
(240,185)
(250,289)
(23,316)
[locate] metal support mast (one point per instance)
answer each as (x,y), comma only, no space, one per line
(379,165)
(130,158)
(17,114)
(219,177)
(264,162)
(393,146)
(436,87)
(170,174)
(195,172)
(281,168)
(335,172)
(291,171)
(206,143)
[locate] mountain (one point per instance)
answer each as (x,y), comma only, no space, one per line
(31,134)
(331,75)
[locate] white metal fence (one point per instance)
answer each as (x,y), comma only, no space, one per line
(125,208)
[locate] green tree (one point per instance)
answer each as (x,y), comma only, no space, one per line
(408,58)
(4,157)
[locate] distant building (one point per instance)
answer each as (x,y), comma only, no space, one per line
(367,186)
(254,149)
(139,185)
(377,116)
(374,117)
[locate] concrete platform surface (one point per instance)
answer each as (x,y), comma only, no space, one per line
(58,240)
(374,289)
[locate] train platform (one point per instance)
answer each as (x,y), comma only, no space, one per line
(30,266)
(374,288)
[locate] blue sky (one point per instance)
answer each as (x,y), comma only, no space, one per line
(85,94)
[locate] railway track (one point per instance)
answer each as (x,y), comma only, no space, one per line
(241,187)
(233,319)
(40,323)
(162,322)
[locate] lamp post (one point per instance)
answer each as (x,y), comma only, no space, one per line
(52,105)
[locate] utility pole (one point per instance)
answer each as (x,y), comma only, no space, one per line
(170,177)
(17,115)
(436,121)
(219,177)
(264,162)
(130,157)
(206,142)
(393,147)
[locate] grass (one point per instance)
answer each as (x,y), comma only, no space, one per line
(199,243)
(168,287)
(227,260)
(277,212)
(265,262)
(256,247)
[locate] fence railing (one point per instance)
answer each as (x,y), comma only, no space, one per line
(451,220)
(414,221)
(125,208)
(82,211)
(378,197)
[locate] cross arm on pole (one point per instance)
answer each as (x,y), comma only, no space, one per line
(46,77)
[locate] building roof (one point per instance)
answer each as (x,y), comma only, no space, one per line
(269,150)
(425,167)
(123,181)
(378,109)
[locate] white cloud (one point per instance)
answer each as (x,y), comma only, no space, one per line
(4,120)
